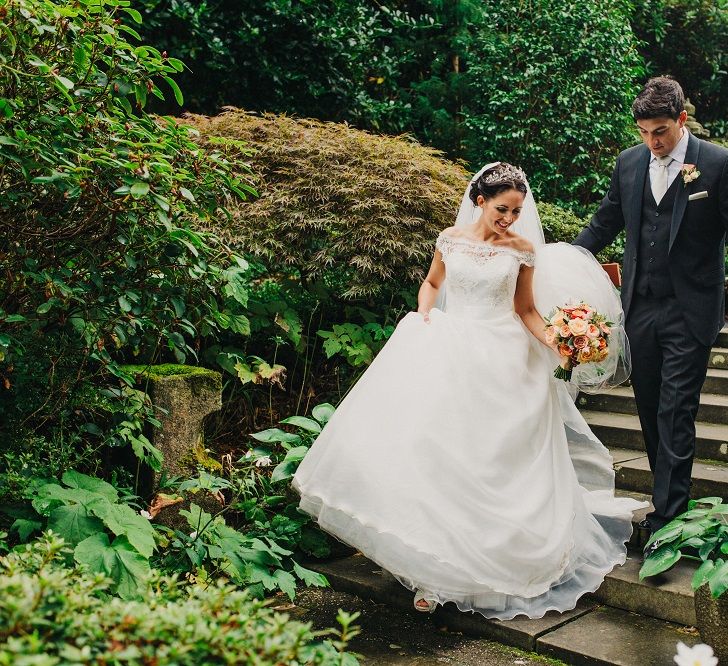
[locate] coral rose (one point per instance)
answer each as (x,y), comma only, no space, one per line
(565,331)
(565,350)
(605,329)
(579,313)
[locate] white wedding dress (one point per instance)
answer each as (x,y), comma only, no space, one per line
(461,466)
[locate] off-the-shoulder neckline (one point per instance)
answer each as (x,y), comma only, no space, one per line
(484,243)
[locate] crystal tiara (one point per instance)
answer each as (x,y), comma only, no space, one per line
(503,172)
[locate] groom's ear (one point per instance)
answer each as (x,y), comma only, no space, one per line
(682,117)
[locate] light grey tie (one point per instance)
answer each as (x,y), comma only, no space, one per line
(659,182)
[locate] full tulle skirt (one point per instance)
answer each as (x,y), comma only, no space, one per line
(461,466)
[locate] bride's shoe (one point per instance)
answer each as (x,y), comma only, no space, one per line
(424,605)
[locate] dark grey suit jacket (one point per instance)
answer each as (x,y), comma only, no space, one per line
(697,232)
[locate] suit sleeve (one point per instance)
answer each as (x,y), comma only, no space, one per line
(723,196)
(607,222)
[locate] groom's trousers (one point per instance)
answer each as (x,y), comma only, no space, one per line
(668,370)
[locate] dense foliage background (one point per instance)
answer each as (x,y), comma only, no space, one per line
(277,242)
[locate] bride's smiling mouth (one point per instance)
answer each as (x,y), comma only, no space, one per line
(503,225)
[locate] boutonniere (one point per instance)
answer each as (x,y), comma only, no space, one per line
(689,173)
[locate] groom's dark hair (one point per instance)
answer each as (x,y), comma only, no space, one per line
(662,97)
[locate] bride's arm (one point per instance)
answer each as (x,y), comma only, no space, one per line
(431,286)
(526,308)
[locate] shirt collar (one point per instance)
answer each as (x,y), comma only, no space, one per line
(679,151)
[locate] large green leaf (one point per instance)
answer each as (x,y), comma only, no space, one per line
(74,523)
(303,422)
(718,578)
(661,560)
(122,520)
(118,560)
(323,412)
(286,582)
(276,435)
(75,479)
(312,578)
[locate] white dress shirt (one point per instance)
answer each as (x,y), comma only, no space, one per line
(678,156)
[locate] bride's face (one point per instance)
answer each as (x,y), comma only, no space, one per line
(500,212)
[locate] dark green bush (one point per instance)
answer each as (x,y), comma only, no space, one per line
(54,616)
(688,39)
(552,88)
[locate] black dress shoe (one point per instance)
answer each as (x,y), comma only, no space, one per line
(645,525)
(649,550)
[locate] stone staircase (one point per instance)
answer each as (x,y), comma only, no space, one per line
(627,622)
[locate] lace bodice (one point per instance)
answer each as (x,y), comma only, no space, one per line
(481,277)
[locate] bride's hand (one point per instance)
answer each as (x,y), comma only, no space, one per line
(425,316)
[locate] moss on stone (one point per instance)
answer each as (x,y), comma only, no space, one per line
(167,370)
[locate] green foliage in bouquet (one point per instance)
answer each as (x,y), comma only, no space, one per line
(701,533)
(100,248)
(53,615)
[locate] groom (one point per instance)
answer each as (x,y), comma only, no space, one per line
(670,194)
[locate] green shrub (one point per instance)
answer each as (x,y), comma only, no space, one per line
(687,39)
(101,255)
(551,91)
(54,616)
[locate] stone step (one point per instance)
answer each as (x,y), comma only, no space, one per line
(612,637)
(668,596)
(722,340)
(624,431)
(710,478)
(716,381)
(587,635)
(718,358)
(713,407)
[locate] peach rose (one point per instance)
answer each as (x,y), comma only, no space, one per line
(602,343)
(550,336)
(565,331)
(581,341)
(579,313)
(605,329)
(592,331)
(586,355)
(558,319)
(578,326)
(565,350)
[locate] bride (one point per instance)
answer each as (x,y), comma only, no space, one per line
(457,462)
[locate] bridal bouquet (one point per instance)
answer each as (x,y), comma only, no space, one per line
(581,335)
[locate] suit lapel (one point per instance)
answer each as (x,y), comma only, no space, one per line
(681,196)
(643,162)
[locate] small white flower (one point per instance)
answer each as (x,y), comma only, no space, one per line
(698,655)
(193,535)
(248,454)
(263,461)
(146,514)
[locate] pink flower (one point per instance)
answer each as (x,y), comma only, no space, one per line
(592,331)
(581,341)
(605,329)
(565,331)
(550,335)
(579,313)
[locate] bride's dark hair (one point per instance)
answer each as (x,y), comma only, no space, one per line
(499,178)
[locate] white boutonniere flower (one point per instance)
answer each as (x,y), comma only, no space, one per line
(689,173)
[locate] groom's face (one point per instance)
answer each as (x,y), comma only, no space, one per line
(661,135)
